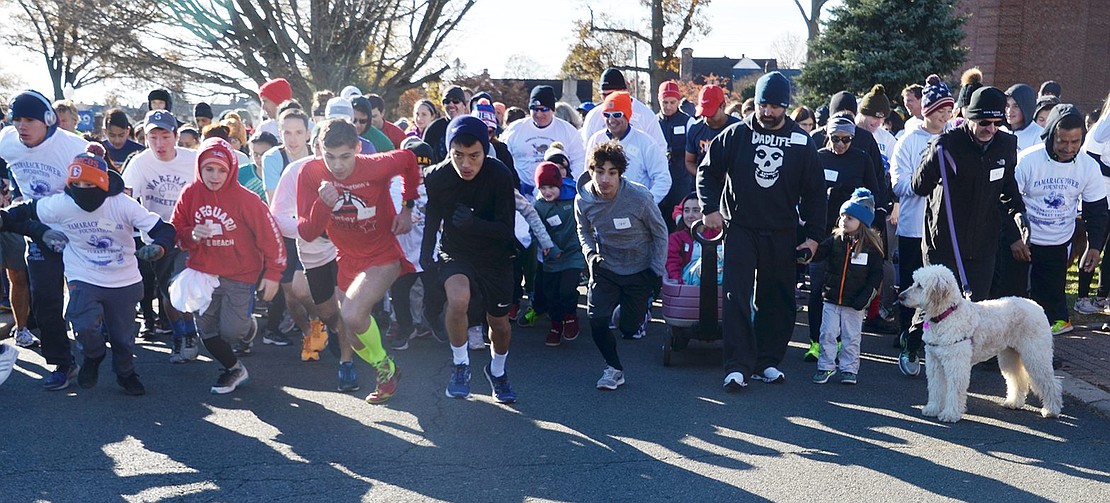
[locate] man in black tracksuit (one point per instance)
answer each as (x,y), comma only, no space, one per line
(982,177)
(756,176)
(674,122)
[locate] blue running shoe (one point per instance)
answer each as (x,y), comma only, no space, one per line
(459,384)
(60,378)
(348,378)
(502,391)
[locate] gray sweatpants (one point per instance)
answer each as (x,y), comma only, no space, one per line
(846,323)
(229,314)
(90,306)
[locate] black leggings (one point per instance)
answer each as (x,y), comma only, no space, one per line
(400,296)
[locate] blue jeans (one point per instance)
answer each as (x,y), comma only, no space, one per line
(90,306)
(46,275)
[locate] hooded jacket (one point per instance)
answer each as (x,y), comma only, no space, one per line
(908,152)
(627,232)
(246,243)
(1029,133)
(983,177)
(1052,190)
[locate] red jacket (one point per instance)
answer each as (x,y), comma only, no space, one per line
(247,243)
(361,227)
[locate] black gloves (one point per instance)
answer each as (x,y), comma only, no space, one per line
(463,217)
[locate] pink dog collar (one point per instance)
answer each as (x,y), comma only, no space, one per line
(940,317)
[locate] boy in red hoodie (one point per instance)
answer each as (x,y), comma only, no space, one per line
(228,232)
(347,195)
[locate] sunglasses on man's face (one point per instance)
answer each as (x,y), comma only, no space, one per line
(541,109)
(613,115)
(362,121)
(456,102)
(841,139)
(986,123)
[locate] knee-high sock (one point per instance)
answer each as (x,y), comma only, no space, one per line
(371,339)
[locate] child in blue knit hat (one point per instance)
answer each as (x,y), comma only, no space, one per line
(855,269)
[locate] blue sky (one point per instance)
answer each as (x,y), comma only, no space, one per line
(495,30)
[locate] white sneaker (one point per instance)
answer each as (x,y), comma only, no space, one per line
(611,378)
(8,357)
(475,338)
(24,338)
(735,381)
(771,375)
(1087,305)
(1103,304)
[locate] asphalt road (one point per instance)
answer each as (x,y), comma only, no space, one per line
(668,434)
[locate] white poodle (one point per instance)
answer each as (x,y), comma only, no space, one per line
(960,333)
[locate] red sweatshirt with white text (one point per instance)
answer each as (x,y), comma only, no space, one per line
(246,242)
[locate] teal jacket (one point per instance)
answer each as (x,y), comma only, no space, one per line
(558,217)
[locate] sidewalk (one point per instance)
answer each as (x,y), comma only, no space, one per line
(1086,354)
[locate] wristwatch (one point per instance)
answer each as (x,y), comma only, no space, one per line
(410,203)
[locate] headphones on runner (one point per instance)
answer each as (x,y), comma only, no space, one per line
(49,117)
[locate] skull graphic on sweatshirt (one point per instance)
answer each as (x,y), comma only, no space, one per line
(768,160)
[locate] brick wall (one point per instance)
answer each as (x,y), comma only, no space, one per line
(1032,41)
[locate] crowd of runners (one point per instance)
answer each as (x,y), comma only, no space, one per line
(359,232)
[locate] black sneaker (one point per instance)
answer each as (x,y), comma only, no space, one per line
(243,348)
(399,343)
(131,385)
(275,338)
(229,380)
(89,373)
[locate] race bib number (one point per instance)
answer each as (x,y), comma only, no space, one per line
(831,175)
(367,213)
(554,221)
(996,174)
(622,223)
(860,259)
(680,130)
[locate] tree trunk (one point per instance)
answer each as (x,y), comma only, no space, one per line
(657,66)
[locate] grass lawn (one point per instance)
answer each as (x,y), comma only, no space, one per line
(1092,320)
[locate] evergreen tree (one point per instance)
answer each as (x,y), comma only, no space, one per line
(889,42)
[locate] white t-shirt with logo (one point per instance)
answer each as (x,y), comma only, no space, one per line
(1052,192)
(157,184)
(528,143)
(101,250)
(40,170)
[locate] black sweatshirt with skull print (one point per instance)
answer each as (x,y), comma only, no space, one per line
(763,179)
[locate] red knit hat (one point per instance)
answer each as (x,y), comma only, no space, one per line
(547,173)
(276,90)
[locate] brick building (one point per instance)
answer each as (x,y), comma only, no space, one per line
(1031,41)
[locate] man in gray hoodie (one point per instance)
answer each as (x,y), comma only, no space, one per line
(615,220)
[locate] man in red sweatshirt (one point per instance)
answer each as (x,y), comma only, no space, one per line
(228,232)
(347,195)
